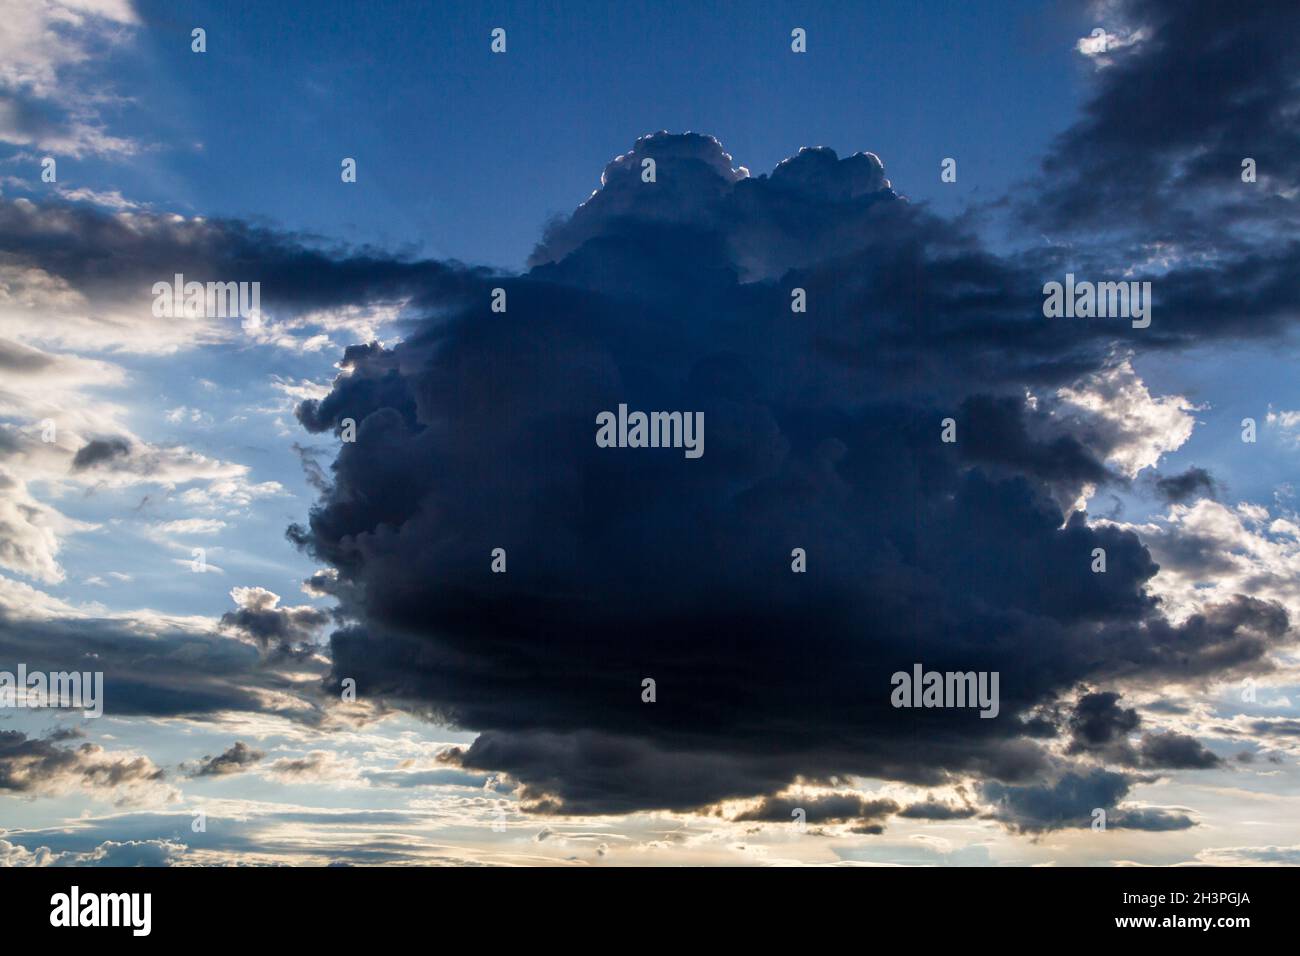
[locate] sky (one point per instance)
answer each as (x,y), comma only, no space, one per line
(275,534)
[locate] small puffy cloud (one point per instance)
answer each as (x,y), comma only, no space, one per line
(157,852)
(1287,422)
(1175,751)
(1098,722)
(236,759)
(31,766)
(188,526)
(99,451)
(185,415)
(316,766)
(260,618)
(1102,45)
(300,391)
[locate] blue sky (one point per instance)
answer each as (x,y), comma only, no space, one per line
(224,691)
(464,155)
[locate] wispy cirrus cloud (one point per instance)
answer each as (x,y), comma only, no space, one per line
(49,99)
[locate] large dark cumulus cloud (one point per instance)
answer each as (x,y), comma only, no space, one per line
(822,432)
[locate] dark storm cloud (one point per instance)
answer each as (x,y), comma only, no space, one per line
(934,810)
(99,450)
(1173,116)
(1192,483)
(1069,802)
(1099,721)
(826,808)
(823,433)
(1101,728)
(1174,751)
(236,759)
(612,773)
(1149,818)
(997,433)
